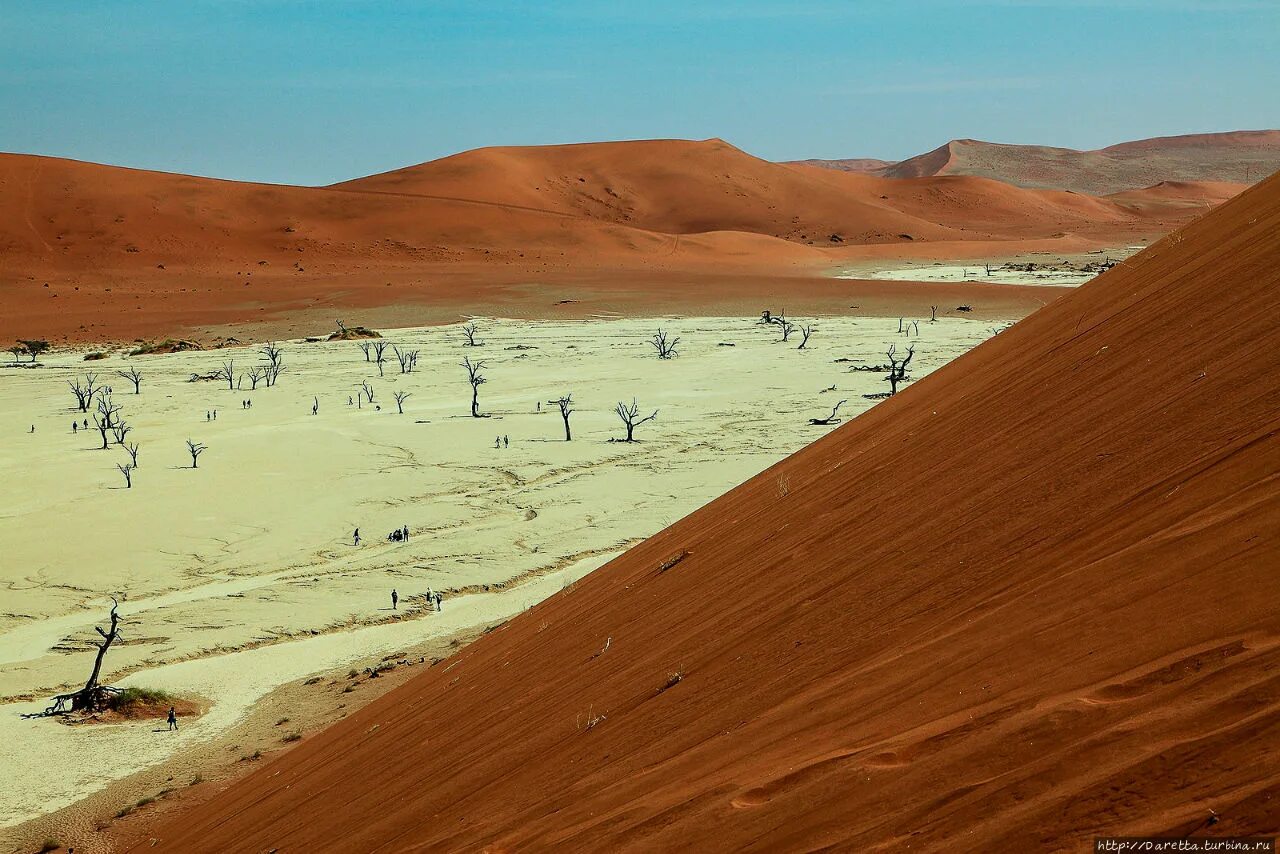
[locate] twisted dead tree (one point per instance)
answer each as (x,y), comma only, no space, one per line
(408,359)
(274,354)
(126,469)
(666,349)
(565,402)
(898,367)
(134,376)
(379,354)
(786,327)
(105,416)
(476,379)
(132,449)
(805,331)
(195,449)
(366,347)
(830,419)
(85,391)
(400,397)
(255,375)
(120,430)
(92,697)
(228,373)
(631,419)
(367,390)
(469,333)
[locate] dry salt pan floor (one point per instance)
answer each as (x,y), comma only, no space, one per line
(240,575)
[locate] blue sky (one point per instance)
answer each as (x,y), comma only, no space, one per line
(313,91)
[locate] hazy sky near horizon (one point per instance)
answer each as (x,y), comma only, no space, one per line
(316,91)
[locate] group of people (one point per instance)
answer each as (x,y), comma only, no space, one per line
(433,599)
(399,535)
(246,404)
(502,442)
(211,415)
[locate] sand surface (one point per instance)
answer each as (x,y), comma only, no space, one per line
(240,575)
(1028,602)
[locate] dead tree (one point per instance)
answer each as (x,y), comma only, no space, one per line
(120,430)
(365,347)
(565,403)
(132,449)
(228,373)
(900,325)
(407,359)
(766,316)
(933,314)
(400,397)
(786,327)
(631,418)
(93,696)
(805,331)
(476,379)
(366,389)
(126,469)
(830,419)
(195,449)
(255,375)
(84,392)
(469,332)
(898,367)
(105,416)
(666,349)
(379,351)
(274,354)
(134,376)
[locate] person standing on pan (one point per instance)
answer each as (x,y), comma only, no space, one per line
(395,598)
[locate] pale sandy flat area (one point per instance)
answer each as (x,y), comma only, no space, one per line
(1035,268)
(240,575)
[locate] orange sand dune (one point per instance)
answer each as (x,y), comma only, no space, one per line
(1237,156)
(1028,601)
(98,253)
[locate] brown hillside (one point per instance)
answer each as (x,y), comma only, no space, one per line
(1237,157)
(99,252)
(1029,601)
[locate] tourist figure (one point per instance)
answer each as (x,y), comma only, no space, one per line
(355,537)
(404,533)
(207,416)
(215,415)
(438,598)
(74,427)
(395,599)
(86,424)
(173,719)
(506,443)
(497,442)
(33,428)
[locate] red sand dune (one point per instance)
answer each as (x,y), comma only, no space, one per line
(1030,600)
(98,252)
(1237,156)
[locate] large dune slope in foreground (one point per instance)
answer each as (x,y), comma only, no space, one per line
(1030,600)
(99,253)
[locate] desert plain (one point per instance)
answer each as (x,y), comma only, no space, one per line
(240,575)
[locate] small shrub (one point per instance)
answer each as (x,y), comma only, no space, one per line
(291,737)
(143,802)
(124,811)
(50,844)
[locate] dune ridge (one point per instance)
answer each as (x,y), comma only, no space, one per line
(1236,156)
(95,253)
(1028,601)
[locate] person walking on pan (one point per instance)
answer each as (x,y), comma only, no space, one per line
(74,427)
(173,719)
(355,537)
(395,598)
(438,598)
